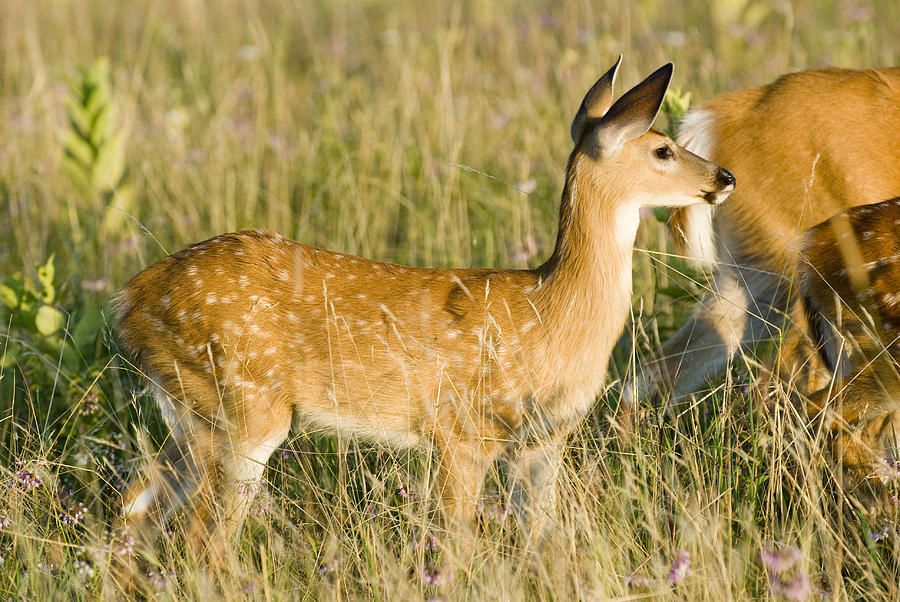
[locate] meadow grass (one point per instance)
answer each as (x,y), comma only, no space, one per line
(431,133)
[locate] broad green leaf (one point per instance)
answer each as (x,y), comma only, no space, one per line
(78,149)
(49,320)
(85,333)
(7,359)
(78,175)
(46,274)
(8,296)
(102,126)
(110,163)
(674,292)
(71,359)
(661,214)
(78,118)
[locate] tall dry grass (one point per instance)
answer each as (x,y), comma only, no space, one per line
(425,133)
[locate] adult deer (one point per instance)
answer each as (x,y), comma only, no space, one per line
(804,148)
(245,334)
(849,288)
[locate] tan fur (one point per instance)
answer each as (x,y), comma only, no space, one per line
(803,148)
(848,284)
(250,332)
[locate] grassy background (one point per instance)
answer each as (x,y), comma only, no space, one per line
(429,133)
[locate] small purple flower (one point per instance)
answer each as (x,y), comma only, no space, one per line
(791,584)
(4,522)
(794,588)
(889,470)
(405,493)
(878,536)
(331,566)
(73,514)
(493,512)
(248,488)
(27,480)
(637,580)
(681,567)
(779,560)
(121,547)
(247,588)
(431,576)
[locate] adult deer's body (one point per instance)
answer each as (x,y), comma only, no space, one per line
(849,288)
(804,148)
(247,333)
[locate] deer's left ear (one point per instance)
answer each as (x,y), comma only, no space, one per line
(596,102)
(633,114)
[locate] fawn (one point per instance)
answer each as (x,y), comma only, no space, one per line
(247,334)
(849,313)
(803,147)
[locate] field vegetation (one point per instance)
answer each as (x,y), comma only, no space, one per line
(432,134)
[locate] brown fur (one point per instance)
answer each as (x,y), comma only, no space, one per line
(246,333)
(804,147)
(848,284)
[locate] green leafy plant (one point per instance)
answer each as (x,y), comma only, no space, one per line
(94,145)
(38,333)
(675,105)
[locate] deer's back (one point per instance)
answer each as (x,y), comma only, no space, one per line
(259,321)
(802,149)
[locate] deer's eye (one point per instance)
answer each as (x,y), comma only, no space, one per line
(664,152)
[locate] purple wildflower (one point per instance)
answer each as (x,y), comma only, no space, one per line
(27,480)
(4,522)
(794,588)
(248,488)
(431,576)
(792,584)
(780,560)
(247,588)
(72,514)
(681,567)
(331,566)
(890,470)
(496,512)
(121,547)
(637,580)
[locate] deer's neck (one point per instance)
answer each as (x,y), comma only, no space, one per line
(586,284)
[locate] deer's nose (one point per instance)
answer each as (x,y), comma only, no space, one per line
(725,178)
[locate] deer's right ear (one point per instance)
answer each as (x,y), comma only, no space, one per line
(596,102)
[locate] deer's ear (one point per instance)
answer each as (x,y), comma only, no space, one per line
(596,102)
(633,114)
